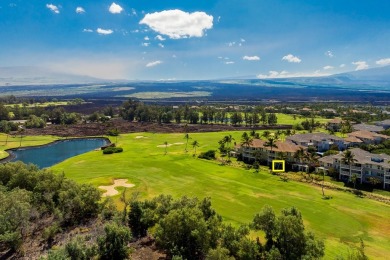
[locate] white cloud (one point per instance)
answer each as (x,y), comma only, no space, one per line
(291,58)
(174,56)
(242,40)
(272,74)
(284,74)
(145,44)
(328,67)
(360,65)
(133,12)
(160,38)
(146,38)
(231,44)
(88,30)
(251,58)
(153,63)
(53,8)
(104,31)
(161,45)
(342,65)
(229,62)
(329,54)
(80,10)
(178,24)
(115,9)
(383,62)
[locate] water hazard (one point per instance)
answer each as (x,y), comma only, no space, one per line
(51,154)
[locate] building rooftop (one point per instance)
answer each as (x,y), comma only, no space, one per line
(282,146)
(367,135)
(336,121)
(384,122)
(353,139)
(366,127)
(364,157)
(308,138)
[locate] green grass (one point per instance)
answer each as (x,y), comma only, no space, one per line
(237,194)
(289,119)
(14,142)
(44,104)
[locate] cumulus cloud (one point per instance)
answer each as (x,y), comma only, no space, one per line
(231,44)
(328,67)
(251,58)
(178,24)
(329,54)
(146,38)
(360,65)
(88,30)
(229,62)
(115,8)
(383,62)
(161,45)
(291,58)
(145,44)
(80,10)
(160,38)
(104,31)
(153,63)
(342,65)
(53,8)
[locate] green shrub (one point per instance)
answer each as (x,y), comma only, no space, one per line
(209,155)
(111,150)
(113,132)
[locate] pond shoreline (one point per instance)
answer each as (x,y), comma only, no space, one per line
(11,154)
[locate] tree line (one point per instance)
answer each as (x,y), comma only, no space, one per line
(134,110)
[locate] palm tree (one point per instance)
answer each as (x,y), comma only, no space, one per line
(228,139)
(194,145)
(271,142)
(246,140)
(349,158)
(299,154)
(266,134)
(166,146)
(187,137)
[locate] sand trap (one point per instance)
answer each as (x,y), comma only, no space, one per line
(140,137)
(178,143)
(163,145)
(111,191)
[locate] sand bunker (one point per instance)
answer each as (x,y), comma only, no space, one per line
(111,191)
(168,145)
(140,137)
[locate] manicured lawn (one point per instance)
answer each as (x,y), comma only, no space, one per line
(289,119)
(237,194)
(15,141)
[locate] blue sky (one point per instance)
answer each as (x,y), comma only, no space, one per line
(195,39)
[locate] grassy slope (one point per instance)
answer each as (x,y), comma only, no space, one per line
(14,142)
(237,194)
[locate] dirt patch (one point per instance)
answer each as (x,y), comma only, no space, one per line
(140,137)
(111,191)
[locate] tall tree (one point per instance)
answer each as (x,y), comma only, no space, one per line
(187,137)
(349,159)
(194,145)
(271,143)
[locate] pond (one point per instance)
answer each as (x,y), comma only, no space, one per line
(51,154)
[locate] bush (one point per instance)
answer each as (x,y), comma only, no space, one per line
(113,245)
(111,150)
(209,155)
(113,132)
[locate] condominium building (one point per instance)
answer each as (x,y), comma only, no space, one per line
(366,166)
(321,141)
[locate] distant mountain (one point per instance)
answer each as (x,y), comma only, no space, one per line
(376,78)
(375,74)
(30,75)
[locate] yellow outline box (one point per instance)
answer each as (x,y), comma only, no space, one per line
(283,162)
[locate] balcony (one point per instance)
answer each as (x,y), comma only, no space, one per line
(354,168)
